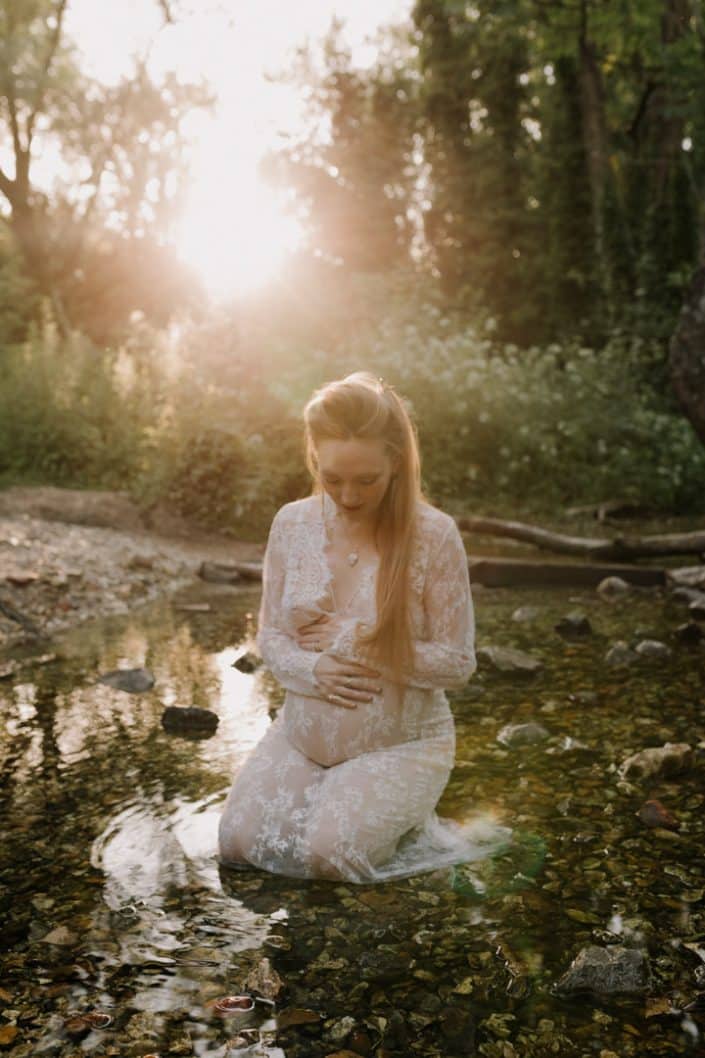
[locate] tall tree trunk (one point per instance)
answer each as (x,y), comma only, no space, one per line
(687,354)
(592,103)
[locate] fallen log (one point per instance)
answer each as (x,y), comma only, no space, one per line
(619,548)
(514,572)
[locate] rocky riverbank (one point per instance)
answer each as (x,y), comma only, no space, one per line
(68,555)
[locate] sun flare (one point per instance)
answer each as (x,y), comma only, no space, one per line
(236,240)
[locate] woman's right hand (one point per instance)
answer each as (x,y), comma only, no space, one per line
(346,683)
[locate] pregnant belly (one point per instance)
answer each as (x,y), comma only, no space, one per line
(329,734)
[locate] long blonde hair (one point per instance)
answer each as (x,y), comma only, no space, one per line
(362,406)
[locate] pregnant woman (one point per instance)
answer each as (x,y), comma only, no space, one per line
(366,617)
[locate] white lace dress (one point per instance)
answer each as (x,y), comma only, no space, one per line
(351,793)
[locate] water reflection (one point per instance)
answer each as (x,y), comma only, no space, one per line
(109,831)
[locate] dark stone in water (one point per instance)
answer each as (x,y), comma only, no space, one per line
(381,966)
(690,633)
(190,719)
(607,971)
(574,625)
(134,681)
(655,814)
(248,662)
(219,573)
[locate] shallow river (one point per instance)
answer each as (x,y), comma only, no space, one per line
(113,901)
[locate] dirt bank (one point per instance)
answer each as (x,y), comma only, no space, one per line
(68,555)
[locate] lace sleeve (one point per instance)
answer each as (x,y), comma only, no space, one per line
(446,657)
(289,663)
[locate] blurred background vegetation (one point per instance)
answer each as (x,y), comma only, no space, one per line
(503,217)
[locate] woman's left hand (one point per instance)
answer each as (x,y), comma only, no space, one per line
(318,635)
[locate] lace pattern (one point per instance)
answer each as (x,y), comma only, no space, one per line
(332,792)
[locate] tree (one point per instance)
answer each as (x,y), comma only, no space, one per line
(121,151)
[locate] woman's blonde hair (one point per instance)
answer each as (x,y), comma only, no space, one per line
(362,406)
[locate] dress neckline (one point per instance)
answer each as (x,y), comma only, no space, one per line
(328,510)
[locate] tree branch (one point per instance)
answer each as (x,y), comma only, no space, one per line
(54,40)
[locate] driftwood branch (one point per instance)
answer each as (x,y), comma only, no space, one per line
(619,548)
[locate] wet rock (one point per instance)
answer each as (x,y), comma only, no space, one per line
(620,654)
(669,759)
(219,573)
(606,971)
(574,625)
(654,814)
(379,966)
(687,595)
(687,576)
(510,660)
(248,662)
(341,1029)
(613,588)
(189,719)
(8,1035)
(524,614)
(62,937)
(297,1016)
(134,681)
(458,1029)
(690,634)
(264,980)
(653,648)
(514,735)
(696,609)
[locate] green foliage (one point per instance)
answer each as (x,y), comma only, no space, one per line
(67,414)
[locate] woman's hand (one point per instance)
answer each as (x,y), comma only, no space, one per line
(318,635)
(346,683)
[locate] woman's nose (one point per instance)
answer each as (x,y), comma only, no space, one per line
(349,496)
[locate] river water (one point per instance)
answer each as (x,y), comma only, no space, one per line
(113,901)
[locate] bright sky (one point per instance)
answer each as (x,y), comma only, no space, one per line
(234,230)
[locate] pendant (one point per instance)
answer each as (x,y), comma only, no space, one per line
(353,558)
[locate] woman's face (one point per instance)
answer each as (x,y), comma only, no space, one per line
(355,474)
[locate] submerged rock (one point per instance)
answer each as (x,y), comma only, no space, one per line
(134,681)
(508,659)
(690,633)
(607,971)
(687,576)
(669,759)
(247,662)
(574,625)
(653,648)
(513,735)
(526,613)
(620,653)
(655,814)
(189,719)
(613,588)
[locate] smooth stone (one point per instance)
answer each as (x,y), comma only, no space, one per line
(247,662)
(613,588)
(340,1030)
(508,659)
(687,576)
(219,573)
(620,653)
(526,613)
(607,971)
(189,718)
(690,633)
(655,814)
(61,936)
(669,759)
(653,648)
(134,681)
(687,595)
(696,609)
(574,625)
(513,735)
